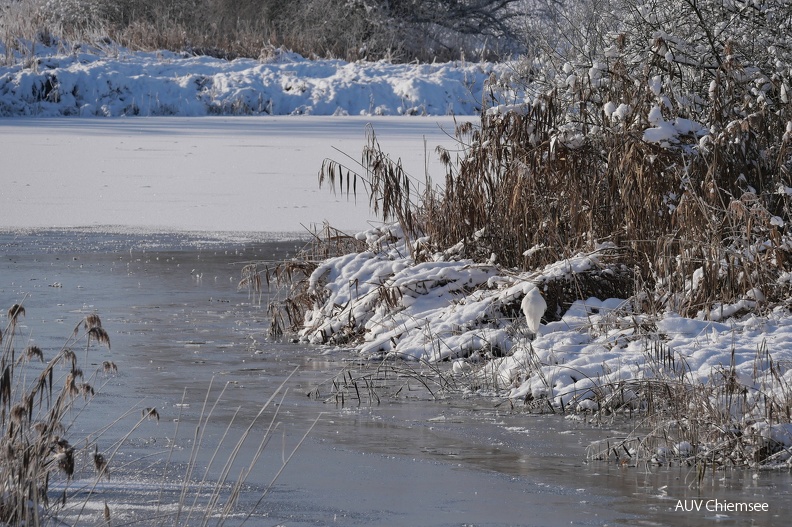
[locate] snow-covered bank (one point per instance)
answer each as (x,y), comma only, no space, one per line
(595,351)
(589,355)
(166,83)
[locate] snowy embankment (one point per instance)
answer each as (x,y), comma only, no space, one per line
(165,83)
(589,355)
(449,308)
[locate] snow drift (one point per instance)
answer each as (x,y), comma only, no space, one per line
(167,83)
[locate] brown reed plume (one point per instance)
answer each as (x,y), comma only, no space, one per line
(34,451)
(700,219)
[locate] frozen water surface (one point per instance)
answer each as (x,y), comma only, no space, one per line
(178,325)
(252,174)
(124,218)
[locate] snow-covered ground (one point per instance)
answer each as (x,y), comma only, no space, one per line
(117,82)
(601,354)
(209,172)
(258,174)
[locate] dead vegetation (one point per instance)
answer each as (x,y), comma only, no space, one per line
(46,476)
(229,29)
(37,399)
(675,172)
(369,382)
(725,422)
(697,231)
(699,218)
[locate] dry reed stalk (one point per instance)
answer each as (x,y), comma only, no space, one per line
(542,178)
(32,419)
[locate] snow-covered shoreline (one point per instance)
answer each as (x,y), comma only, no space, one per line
(595,353)
(591,355)
(117,82)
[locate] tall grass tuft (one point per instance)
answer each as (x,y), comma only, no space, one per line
(37,397)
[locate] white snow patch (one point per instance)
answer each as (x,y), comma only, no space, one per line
(165,83)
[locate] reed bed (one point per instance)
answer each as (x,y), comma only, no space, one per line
(260,29)
(674,172)
(698,214)
(49,477)
(38,398)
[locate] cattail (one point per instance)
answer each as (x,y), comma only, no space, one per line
(109,367)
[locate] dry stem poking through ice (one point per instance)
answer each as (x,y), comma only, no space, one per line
(37,454)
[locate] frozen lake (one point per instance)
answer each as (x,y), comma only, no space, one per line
(219,174)
(103,216)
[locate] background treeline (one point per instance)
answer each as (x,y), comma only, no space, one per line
(400,30)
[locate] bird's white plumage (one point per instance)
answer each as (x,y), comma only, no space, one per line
(533,307)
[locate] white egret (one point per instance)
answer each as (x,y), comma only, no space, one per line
(533,307)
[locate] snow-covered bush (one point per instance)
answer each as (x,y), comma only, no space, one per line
(670,142)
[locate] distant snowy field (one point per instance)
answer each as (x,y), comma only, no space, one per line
(198,168)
